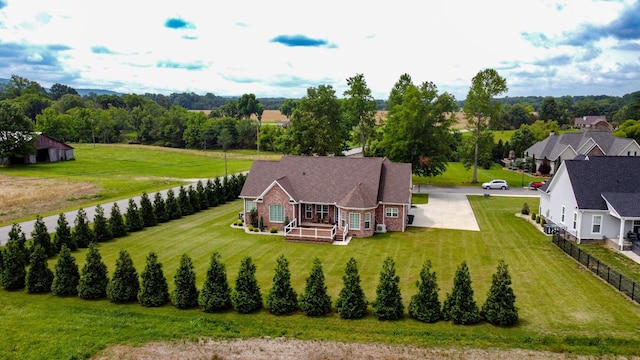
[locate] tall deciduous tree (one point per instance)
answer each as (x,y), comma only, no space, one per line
(216,293)
(500,307)
(282,299)
(185,293)
(125,284)
(479,108)
(317,126)
(16,131)
(62,235)
(39,277)
(351,303)
(315,301)
(425,305)
(459,306)
(116,222)
(388,303)
(66,274)
(246,297)
(82,233)
(93,277)
(522,139)
(154,290)
(41,236)
(418,129)
(360,108)
(101,229)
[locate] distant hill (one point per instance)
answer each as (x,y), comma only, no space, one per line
(81,92)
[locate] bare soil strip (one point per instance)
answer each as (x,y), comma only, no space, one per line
(290,349)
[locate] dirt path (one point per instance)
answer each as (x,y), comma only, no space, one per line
(290,349)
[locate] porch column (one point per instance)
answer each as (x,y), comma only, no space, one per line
(621,234)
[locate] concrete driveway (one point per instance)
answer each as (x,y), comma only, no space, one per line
(445,211)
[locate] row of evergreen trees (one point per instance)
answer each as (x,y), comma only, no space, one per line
(151,288)
(189,200)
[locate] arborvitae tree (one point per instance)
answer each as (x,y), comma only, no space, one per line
(459,306)
(101,229)
(202,196)
(172,205)
(160,208)
(63,234)
(146,211)
(216,293)
(132,217)
(500,308)
(282,299)
(315,301)
(154,290)
(41,237)
(13,270)
(219,190)
(124,285)
(184,202)
(226,191)
(194,199)
(388,303)
(212,195)
(116,222)
(185,293)
(246,297)
(93,277)
(351,303)
(425,305)
(82,233)
(39,277)
(16,235)
(67,275)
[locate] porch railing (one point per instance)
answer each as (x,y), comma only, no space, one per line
(345,231)
(290,226)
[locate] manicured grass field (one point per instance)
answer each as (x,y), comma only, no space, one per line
(457,175)
(563,307)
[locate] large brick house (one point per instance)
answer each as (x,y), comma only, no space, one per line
(326,199)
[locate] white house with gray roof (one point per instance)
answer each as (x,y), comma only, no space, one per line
(566,146)
(595,198)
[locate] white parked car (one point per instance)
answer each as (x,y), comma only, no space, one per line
(496,184)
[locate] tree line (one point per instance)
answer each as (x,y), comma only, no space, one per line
(417,128)
(150,288)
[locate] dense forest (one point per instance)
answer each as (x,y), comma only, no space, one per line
(416,128)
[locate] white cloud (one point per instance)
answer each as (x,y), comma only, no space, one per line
(227,49)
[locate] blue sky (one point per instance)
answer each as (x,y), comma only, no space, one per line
(281,48)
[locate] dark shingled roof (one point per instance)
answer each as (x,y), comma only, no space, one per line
(553,145)
(626,204)
(348,182)
(599,175)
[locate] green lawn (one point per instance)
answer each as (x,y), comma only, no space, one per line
(457,175)
(563,307)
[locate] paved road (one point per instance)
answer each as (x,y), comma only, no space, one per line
(475,190)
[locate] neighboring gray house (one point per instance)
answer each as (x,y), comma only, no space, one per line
(595,198)
(566,146)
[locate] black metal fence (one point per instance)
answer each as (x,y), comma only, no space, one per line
(611,276)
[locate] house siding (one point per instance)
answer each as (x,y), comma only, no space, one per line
(551,208)
(275,196)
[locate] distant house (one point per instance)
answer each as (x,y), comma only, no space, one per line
(592,122)
(595,199)
(47,149)
(326,199)
(566,146)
